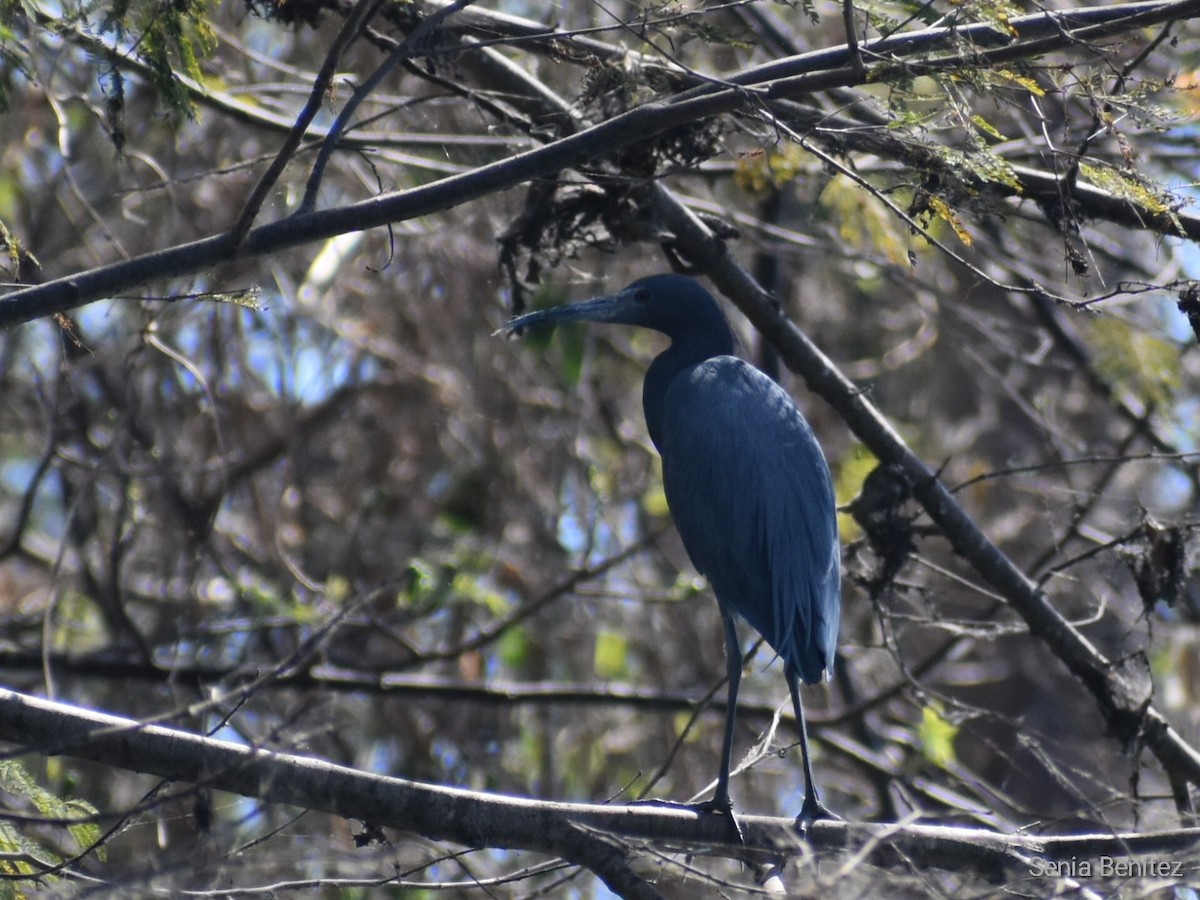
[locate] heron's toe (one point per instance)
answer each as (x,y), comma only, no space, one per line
(813,810)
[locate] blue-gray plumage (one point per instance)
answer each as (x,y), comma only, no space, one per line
(747,485)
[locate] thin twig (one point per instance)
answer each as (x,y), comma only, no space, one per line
(359,16)
(409,47)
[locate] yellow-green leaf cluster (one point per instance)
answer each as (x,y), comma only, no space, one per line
(943,211)
(175,36)
(980,163)
(997,13)
(1022,81)
(863,221)
(471,587)
(756,173)
(14,844)
(1145,365)
(1129,186)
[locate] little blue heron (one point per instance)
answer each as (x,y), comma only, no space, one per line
(747,486)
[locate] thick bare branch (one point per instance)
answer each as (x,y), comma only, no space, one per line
(597,836)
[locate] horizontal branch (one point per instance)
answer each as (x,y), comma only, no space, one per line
(501,27)
(475,819)
(341,680)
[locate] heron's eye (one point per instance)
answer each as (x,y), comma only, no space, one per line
(641,295)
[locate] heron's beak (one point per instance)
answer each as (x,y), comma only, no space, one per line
(598,309)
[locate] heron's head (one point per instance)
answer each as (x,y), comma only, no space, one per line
(675,305)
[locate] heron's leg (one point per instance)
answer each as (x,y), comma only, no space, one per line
(721,802)
(733,671)
(813,808)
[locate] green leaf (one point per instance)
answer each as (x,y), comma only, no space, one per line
(1020,80)
(936,736)
(849,477)
(86,834)
(513,647)
(654,500)
(611,654)
(986,127)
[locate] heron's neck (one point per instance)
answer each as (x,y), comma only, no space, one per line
(683,354)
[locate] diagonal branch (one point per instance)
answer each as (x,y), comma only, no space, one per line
(1121,687)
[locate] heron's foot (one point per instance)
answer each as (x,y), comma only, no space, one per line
(717,806)
(714,806)
(722,806)
(813,810)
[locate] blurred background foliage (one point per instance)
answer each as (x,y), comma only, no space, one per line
(322,466)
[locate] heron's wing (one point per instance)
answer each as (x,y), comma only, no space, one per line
(751,495)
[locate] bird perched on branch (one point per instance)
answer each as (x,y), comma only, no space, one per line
(747,486)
